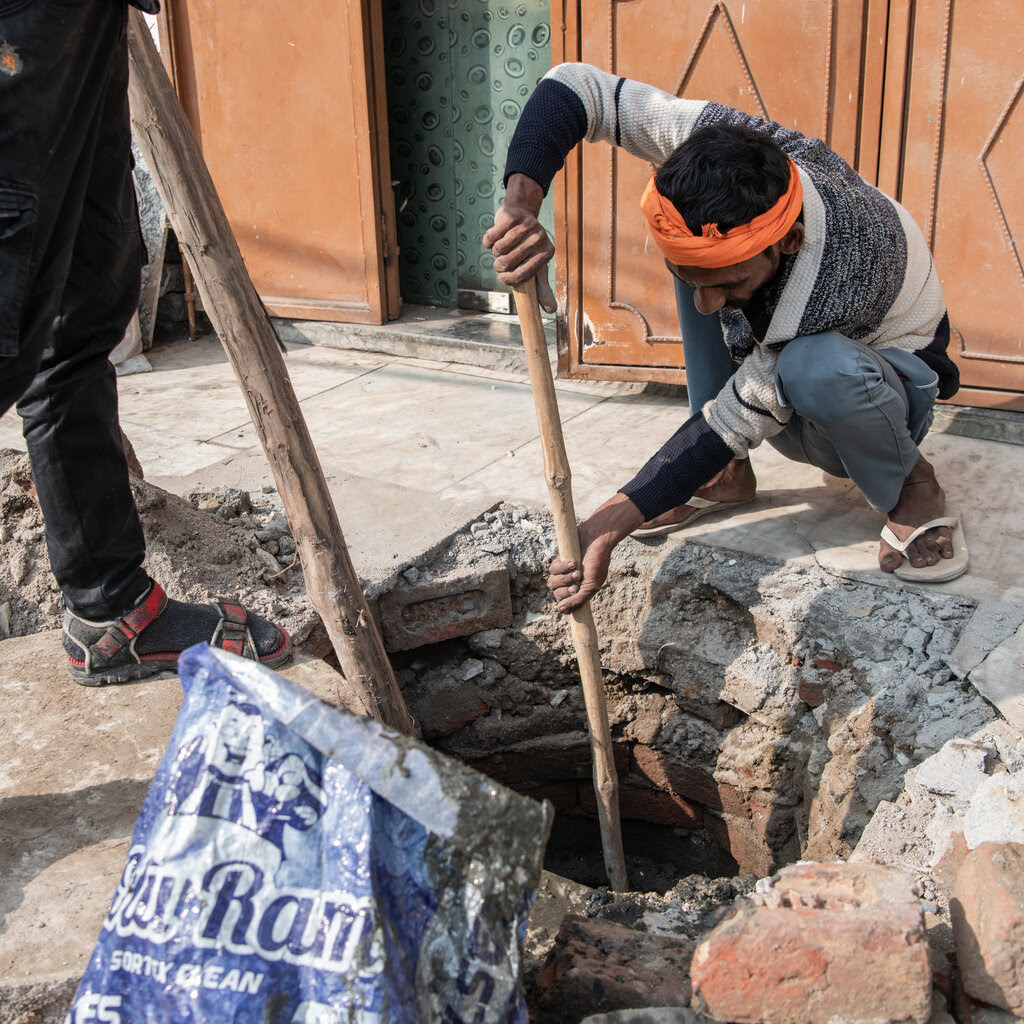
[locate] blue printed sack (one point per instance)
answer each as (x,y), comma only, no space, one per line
(296,864)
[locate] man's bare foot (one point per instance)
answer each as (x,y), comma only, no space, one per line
(920,501)
(735,483)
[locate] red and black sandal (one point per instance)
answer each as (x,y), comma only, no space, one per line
(149,638)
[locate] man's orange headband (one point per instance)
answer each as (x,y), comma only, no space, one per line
(713,248)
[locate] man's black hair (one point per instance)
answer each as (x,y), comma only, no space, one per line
(724,174)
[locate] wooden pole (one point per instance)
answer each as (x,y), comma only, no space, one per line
(581,620)
(195,212)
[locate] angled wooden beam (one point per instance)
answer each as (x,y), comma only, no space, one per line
(241,321)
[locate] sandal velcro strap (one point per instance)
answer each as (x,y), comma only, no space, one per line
(121,633)
(232,633)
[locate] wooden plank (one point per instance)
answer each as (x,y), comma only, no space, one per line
(241,322)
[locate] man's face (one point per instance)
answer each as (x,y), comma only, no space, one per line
(733,287)
(729,287)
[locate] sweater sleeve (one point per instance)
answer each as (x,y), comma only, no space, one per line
(574,102)
(748,410)
(688,460)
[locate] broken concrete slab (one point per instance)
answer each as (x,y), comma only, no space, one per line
(992,623)
(999,678)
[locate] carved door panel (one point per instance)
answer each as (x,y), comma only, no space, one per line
(795,61)
(287,105)
(961,178)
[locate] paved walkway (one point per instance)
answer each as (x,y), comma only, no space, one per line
(414,448)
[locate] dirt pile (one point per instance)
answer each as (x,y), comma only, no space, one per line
(212,542)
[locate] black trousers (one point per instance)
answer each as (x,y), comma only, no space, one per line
(70,259)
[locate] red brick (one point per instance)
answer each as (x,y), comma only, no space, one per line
(687,782)
(598,966)
(459,604)
(987,909)
(563,796)
(697,786)
(744,840)
(826,942)
(811,691)
(657,806)
(826,664)
(952,861)
(541,764)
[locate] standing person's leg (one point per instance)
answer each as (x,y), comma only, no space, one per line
(853,413)
(75,247)
(93,531)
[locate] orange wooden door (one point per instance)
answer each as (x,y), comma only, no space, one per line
(285,102)
(795,61)
(963,136)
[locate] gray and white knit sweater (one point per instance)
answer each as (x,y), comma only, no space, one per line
(863,270)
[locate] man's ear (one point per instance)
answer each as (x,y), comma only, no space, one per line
(792,239)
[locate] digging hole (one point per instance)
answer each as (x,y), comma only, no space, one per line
(657,856)
(760,711)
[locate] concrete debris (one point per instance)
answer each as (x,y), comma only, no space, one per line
(996,811)
(762,712)
(787,704)
(968,776)
(193,549)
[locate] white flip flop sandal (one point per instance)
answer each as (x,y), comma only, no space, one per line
(702,506)
(946,568)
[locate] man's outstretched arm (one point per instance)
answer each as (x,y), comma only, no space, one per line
(688,460)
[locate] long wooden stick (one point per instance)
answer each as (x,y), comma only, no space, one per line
(581,620)
(197,216)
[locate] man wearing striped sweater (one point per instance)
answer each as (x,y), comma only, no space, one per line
(811,313)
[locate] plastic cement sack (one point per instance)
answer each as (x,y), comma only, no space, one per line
(295,864)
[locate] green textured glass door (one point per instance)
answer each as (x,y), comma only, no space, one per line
(458,74)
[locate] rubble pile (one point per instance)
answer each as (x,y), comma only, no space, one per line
(768,704)
(763,714)
(212,542)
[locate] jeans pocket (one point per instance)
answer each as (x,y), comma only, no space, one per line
(17,231)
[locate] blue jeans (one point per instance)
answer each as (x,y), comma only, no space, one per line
(858,412)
